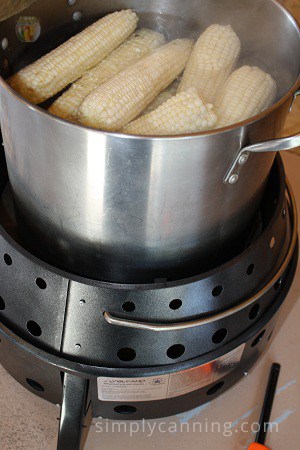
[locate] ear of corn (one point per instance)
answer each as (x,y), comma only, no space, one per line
(121,99)
(182,114)
(214,56)
(141,43)
(54,71)
(247,92)
(165,95)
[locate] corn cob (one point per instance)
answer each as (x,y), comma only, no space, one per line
(165,95)
(182,114)
(214,57)
(134,48)
(121,99)
(54,71)
(247,92)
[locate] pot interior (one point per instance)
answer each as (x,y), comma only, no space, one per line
(270,37)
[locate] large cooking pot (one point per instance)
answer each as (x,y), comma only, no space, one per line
(127,208)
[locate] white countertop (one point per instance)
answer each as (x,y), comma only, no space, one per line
(28,422)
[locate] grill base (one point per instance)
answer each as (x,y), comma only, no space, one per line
(185,341)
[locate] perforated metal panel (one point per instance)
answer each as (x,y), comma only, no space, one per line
(64,313)
(33,298)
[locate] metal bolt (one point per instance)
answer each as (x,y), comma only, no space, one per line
(77,346)
(72,2)
(77,16)
(82,302)
(4,43)
(243,158)
(233,179)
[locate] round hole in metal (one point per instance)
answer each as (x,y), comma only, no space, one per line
(35,385)
(278,284)
(217,291)
(220,335)
(175,304)
(7,259)
(126,354)
(125,409)
(215,388)
(254,311)
(34,328)
(258,338)
(250,269)
(175,351)
(77,16)
(2,304)
(128,306)
(41,283)
(4,43)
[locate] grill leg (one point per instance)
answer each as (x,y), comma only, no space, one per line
(74,411)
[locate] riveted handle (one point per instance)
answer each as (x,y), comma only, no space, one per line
(276,145)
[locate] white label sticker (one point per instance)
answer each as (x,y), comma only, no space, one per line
(133,389)
(167,386)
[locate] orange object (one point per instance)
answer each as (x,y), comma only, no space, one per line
(256,446)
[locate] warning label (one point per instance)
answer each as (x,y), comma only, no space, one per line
(133,389)
(168,386)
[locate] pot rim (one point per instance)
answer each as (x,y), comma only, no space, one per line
(147,138)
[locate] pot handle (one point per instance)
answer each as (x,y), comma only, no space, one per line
(159,327)
(275,145)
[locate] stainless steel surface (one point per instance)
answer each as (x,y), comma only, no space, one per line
(119,207)
(297,93)
(276,145)
(228,312)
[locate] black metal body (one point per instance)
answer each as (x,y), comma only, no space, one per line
(26,362)
(73,411)
(65,312)
(56,342)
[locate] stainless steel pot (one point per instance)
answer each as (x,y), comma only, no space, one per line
(127,208)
